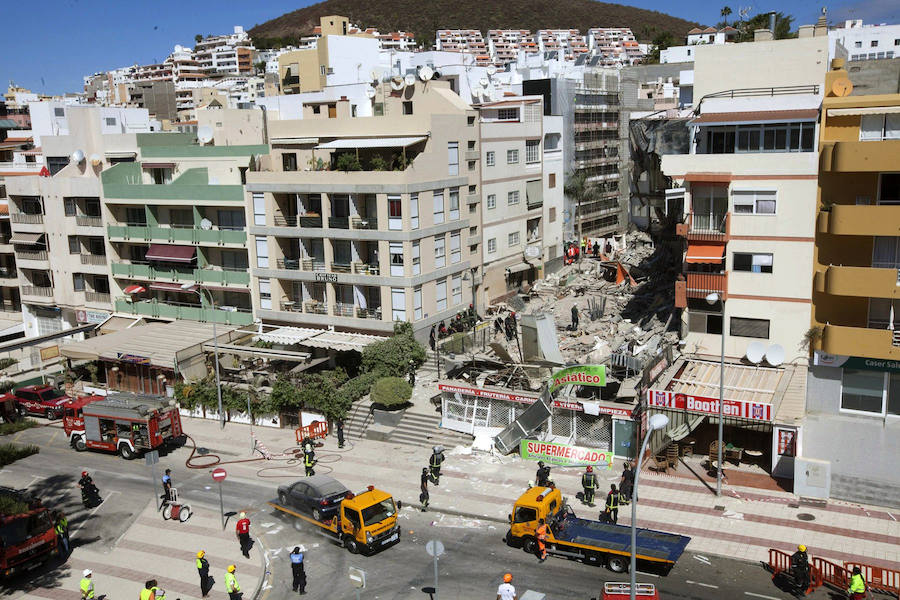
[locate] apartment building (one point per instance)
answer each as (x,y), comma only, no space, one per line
(468,41)
(521,193)
(175,219)
(615,45)
(749,196)
(361,221)
(568,43)
(853,384)
(335,60)
(505,44)
(856,41)
(230,54)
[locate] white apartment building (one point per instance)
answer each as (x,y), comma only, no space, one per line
(568,42)
(505,44)
(856,41)
(396,40)
(52,118)
(463,40)
(615,45)
(230,54)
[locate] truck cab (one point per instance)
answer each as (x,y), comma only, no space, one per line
(27,533)
(368,521)
(535,504)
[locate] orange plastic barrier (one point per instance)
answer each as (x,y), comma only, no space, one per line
(779,561)
(878,579)
(315,430)
(829,573)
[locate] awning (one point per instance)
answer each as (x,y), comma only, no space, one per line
(135,289)
(120,154)
(519,268)
(277,141)
(757,116)
(868,110)
(319,338)
(157,165)
(705,253)
(168,287)
(386,142)
(169,253)
(26,238)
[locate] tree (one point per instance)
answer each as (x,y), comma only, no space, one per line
(783,26)
(198,38)
(660,43)
(579,190)
(726,10)
(391,357)
(260,66)
(285,396)
(320,392)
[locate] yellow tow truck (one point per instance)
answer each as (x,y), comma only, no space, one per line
(364,523)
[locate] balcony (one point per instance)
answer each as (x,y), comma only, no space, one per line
(472,155)
(314,307)
(337,267)
(31,255)
(364,222)
(473,199)
(474,240)
(191,186)
(862,219)
(183,235)
(190,312)
(26,218)
(859,157)
(860,341)
(88,221)
(339,222)
(343,310)
(705,227)
(223,277)
(34,290)
(93,259)
(361,268)
(863,282)
(97,298)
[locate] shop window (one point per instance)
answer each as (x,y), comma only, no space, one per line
(862,391)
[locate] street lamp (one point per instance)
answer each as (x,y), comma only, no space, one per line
(192,287)
(712,299)
(654,422)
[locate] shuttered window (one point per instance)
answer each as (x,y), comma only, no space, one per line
(754,328)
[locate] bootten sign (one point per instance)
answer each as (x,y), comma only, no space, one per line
(594,375)
(560,454)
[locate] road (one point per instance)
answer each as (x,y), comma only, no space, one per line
(475,560)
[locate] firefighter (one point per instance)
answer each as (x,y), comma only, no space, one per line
(596,248)
(510,325)
(309,460)
(411,372)
(437,458)
(231,584)
(203,571)
(90,495)
(423,485)
(87,585)
(298,571)
(857,589)
(243,533)
(148,592)
(61,525)
(541,533)
(340,432)
(542,477)
(158,594)
(612,504)
(800,568)
(574,317)
(589,483)
(307,445)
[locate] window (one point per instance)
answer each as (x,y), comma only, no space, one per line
(754,328)
(407,107)
(455,250)
(525,515)
(513,239)
(512,198)
(78,282)
(414,211)
(262,252)
(453,158)
(69,207)
(879,127)
(512,157)
(265,294)
(889,188)
(470,120)
(754,202)
(489,158)
(769,137)
(532,151)
(755,263)
(704,322)
(110,121)
(135,216)
(456,289)
(289,161)
(396,251)
(321,69)
(439,251)
(438,207)
(378,109)
(74,245)
(440,294)
(874,44)
(857,44)
(492,245)
(234,260)
(259,208)
(470,145)
(551,180)
(864,391)
(552,215)
(897,42)
(454,204)
(416,258)
(417,303)
(492,201)
(395,213)
(59,112)
(508,114)
(398,304)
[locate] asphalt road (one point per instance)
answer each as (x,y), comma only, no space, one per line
(473,565)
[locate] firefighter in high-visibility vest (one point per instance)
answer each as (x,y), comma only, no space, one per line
(203,571)
(231,584)
(434,462)
(589,484)
(309,460)
(87,585)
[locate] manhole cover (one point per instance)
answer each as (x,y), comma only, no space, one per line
(806,517)
(202,451)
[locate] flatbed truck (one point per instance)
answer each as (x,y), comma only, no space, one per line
(365,523)
(587,540)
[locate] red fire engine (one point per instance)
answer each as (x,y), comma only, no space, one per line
(27,534)
(129,424)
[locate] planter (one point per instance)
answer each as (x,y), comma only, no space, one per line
(388,418)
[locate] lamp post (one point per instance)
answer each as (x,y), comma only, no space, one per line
(654,422)
(192,287)
(712,299)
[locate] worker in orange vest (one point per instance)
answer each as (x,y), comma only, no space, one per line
(541,532)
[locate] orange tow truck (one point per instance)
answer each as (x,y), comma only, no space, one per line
(365,522)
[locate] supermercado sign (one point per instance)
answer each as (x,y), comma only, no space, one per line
(509,397)
(561,454)
(755,411)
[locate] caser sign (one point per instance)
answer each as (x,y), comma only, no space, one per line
(741,409)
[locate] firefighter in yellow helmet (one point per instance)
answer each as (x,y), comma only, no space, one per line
(203,571)
(231,584)
(800,568)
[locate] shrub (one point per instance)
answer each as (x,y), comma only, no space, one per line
(378,163)
(391,393)
(391,357)
(347,162)
(12,506)
(16,426)
(7,362)
(359,386)
(10,453)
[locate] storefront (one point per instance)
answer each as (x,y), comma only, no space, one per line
(487,410)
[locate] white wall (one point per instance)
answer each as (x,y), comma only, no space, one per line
(883,35)
(674,54)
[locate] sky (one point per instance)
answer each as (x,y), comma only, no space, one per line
(49,46)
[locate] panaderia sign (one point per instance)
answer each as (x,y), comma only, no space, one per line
(509,397)
(754,411)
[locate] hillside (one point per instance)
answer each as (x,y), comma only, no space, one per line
(423,17)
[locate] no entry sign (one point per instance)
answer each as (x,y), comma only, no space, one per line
(219,474)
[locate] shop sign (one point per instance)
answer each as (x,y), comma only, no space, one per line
(823,359)
(561,454)
(327,277)
(91,316)
(49,352)
(755,411)
(132,358)
(593,375)
(561,404)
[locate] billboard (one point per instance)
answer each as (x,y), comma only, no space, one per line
(594,375)
(561,454)
(742,409)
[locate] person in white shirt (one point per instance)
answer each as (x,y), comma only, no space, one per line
(506,591)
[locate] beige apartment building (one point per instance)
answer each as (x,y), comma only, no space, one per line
(359,222)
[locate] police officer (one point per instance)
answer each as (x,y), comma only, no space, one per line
(231,584)
(203,571)
(309,460)
(298,571)
(167,486)
(87,585)
(612,504)
(589,484)
(542,477)
(423,496)
(437,458)
(61,525)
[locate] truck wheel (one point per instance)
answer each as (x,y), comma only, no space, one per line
(23,412)
(617,564)
(79,444)
(530,546)
(126,452)
(49,415)
(351,545)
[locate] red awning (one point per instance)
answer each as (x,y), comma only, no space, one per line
(705,253)
(135,289)
(168,287)
(157,165)
(183,254)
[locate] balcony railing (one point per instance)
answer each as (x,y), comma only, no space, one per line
(190,235)
(27,219)
(34,290)
(361,268)
(190,312)
(310,221)
(368,313)
(98,297)
(282,221)
(31,255)
(313,264)
(220,276)
(88,221)
(340,267)
(339,222)
(700,285)
(343,310)
(314,307)
(705,227)
(364,222)
(93,259)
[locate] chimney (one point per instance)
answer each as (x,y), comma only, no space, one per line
(806,31)
(772,22)
(763,35)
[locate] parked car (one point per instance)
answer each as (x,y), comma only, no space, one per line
(319,494)
(43,400)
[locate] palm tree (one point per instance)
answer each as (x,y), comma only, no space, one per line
(579,190)
(726,10)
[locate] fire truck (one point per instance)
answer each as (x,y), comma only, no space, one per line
(129,424)
(27,534)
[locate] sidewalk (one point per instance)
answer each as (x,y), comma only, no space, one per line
(744,523)
(155,549)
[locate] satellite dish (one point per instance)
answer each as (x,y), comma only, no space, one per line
(484,82)
(370,92)
(410,79)
(205,224)
(96,160)
(397,84)
(205,134)
(426,73)
(492,69)
(77,156)
(755,352)
(775,355)
(376,74)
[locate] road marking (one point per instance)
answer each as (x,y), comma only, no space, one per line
(701,558)
(707,585)
(91,514)
(761,596)
(647,574)
(891,516)
(53,437)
